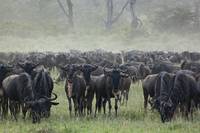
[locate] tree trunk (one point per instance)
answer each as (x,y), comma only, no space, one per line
(111,19)
(109,5)
(134,21)
(70,12)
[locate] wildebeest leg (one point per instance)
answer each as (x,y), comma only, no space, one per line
(121,100)
(109,106)
(24,110)
(182,110)
(18,108)
(104,106)
(127,92)
(116,106)
(75,106)
(89,106)
(80,106)
(5,107)
(15,106)
(91,97)
(70,106)
(145,99)
(96,105)
(12,106)
(188,108)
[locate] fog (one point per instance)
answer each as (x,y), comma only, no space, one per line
(48,25)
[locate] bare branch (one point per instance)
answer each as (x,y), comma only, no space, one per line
(62,7)
(121,12)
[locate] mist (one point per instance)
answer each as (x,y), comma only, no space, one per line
(113,25)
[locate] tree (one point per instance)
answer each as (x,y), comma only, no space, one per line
(111,19)
(68,12)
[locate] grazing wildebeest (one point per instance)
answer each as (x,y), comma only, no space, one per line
(43,87)
(75,88)
(107,87)
(163,93)
(87,69)
(148,85)
(173,91)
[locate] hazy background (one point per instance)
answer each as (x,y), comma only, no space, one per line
(41,25)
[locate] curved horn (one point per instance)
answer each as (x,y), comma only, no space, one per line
(52,99)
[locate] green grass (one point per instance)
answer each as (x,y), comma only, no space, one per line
(131,119)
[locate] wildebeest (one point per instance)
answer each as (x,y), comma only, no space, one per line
(75,88)
(193,66)
(125,85)
(173,91)
(148,85)
(107,87)
(87,69)
(43,87)
(17,89)
(163,66)
(4,70)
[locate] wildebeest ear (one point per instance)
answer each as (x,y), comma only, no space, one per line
(54,103)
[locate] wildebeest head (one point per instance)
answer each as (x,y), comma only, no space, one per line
(87,69)
(28,66)
(4,69)
(71,71)
(115,75)
(166,110)
(41,107)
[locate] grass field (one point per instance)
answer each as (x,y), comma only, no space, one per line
(131,119)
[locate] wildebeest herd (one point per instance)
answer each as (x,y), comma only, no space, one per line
(170,81)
